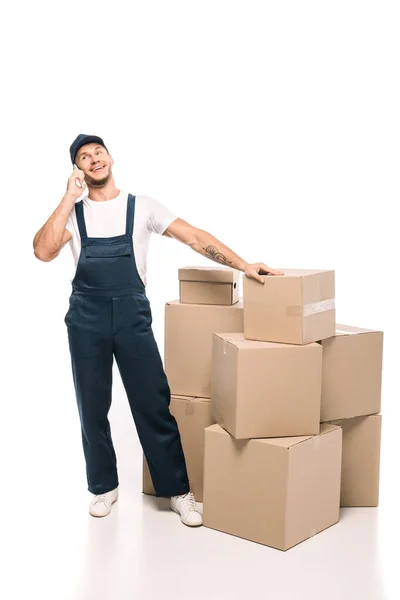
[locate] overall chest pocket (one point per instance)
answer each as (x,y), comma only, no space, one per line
(108,250)
(107,265)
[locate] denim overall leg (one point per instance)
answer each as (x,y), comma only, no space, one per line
(109,315)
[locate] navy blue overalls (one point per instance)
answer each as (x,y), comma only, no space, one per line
(109,315)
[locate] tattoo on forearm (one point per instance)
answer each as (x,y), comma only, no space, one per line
(212,252)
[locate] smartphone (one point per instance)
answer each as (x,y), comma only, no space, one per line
(78,183)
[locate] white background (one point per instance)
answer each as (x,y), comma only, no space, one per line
(272,125)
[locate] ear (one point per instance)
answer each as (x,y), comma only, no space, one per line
(111,160)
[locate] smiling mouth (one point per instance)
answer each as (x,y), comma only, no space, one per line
(97,169)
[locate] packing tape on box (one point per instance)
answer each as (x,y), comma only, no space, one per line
(190,407)
(317,307)
(348,332)
(310,309)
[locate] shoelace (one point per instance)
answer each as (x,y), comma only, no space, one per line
(100,498)
(189,501)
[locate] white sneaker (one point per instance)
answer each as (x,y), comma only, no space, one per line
(185,505)
(100,506)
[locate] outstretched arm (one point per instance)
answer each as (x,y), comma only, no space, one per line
(206,244)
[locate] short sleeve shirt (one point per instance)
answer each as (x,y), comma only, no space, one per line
(108,219)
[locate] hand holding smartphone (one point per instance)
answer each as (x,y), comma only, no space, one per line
(79,182)
(76,182)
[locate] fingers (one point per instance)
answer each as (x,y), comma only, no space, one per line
(81,183)
(253,274)
(79,177)
(256,270)
(271,271)
(76,182)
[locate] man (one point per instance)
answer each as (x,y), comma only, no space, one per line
(109,315)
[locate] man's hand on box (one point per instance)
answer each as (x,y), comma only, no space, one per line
(256,269)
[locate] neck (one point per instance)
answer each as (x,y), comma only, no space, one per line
(107,192)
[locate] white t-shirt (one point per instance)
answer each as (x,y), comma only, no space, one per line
(108,218)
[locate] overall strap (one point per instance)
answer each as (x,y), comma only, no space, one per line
(130,211)
(81,219)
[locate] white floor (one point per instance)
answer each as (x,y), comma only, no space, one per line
(55,550)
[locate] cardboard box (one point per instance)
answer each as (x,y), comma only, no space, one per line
(188,343)
(192,416)
(360,460)
(274,491)
(295,308)
(264,389)
(351,373)
(208,285)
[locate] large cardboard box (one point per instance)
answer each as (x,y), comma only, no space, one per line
(296,308)
(264,389)
(360,460)
(351,373)
(208,285)
(193,415)
(188,343)
(274,491)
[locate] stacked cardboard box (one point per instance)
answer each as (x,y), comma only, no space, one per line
(189,326)
(193,415)
(272,473)
(351,398)
(294,400)
(208,301)
(205,285)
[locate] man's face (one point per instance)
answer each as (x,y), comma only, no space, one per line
(96,164)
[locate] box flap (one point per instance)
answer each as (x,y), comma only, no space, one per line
(359,418)
(288,442)
(238,340)
(300,272)
(350,330)
(212,307)
(190,398)
(285,442)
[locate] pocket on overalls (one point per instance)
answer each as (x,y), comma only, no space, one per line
(108,251)
(85,341)
(144,339)
(108,265)
(67,318)
(83,344)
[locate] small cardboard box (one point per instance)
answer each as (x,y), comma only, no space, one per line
(351,373)
(208,285)
(193,415)
(274,491)
(264,389)
(295,308)
(188,343)
(360,460)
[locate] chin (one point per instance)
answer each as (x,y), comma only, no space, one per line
(98,183)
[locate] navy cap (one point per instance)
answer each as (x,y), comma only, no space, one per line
(81,140)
